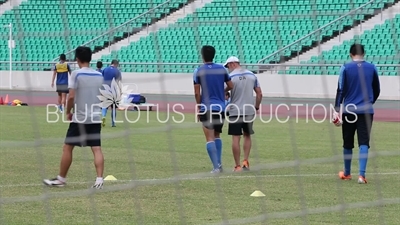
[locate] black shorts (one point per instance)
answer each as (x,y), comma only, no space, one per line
(214,122)
(239,125)
(83,135)
(62,88)
(362,123)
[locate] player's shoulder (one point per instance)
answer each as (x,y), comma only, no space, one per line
(241,72)
(87,71)
(369,64)
(218,66)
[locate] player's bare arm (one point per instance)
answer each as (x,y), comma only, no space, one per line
(70,101)
(229,86)
(53,78)
(197,94)
(259,96)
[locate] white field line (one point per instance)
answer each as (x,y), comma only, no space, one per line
(203,178)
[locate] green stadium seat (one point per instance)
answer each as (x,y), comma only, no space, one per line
(43,31)
(255,32)
(382,47)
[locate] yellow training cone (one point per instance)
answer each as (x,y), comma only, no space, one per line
(110,177)
(257,194)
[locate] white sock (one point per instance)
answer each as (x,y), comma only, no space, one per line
(60,178)
(99,180)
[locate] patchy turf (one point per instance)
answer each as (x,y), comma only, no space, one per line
(152,154)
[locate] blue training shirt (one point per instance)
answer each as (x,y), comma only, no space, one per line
(211,77)
(62,69)
(358,87)
(110,73)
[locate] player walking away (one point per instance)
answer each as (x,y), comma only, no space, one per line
(61,71)
(85,127)
(227,98)
(99,65)
(209,80)
(242,109)
(109,73)
(358,89)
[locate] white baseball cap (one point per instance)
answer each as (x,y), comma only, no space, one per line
(231,59)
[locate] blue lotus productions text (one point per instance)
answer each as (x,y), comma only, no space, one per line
(175,113)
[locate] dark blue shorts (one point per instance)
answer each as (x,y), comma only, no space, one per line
(214,121)
(62,88)
(82,135)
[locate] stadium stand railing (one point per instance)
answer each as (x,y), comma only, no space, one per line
(139,67)
(3,1)
(320,35)
(382,45)
(132,26)
(248,29)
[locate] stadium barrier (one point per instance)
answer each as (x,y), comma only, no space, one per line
(151,82)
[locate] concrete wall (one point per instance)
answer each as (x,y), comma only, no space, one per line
(273,85)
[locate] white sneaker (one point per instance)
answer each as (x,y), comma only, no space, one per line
(54,182)
(216,171)
(98,185)
(362,180)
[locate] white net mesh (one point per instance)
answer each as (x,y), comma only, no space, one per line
(158,157)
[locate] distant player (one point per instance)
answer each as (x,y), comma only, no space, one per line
(85,126)
(358,89)
(61,71)
(109,73)
(99,65)
(242,110)
(209,91)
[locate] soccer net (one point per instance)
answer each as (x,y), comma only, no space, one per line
(157,170)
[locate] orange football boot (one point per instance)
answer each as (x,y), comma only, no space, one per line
(246,165)
(237,169)
(344,177)
(362,180)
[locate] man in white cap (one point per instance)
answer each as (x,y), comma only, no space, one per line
(242,109)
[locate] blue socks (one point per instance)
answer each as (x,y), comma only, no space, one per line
(363,159)
(347,155)
(212,153)
(113,114)
(104,112)
(218,145)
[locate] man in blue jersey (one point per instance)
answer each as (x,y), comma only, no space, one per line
(209,91)
(61,71)
(111,73)
(99,65)
(358,89)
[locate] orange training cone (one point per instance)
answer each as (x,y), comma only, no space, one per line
(1,101)
(6,100)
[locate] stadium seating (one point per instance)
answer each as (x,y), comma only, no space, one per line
(256,32)
(3,1)
(45,28)
(382,46)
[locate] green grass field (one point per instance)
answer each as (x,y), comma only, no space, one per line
(297,192)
